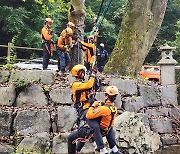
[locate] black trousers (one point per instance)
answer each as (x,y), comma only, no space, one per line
(100,66)
(110,136)
(98,138)
(46,55)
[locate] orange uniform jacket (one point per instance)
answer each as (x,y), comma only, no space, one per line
(91,50)
(80,91)
(105,113)
(63,40)
(46,33)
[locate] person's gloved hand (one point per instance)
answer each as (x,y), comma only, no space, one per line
(93,75)
(96,103)
(50,32)
(71,45)
(65,47)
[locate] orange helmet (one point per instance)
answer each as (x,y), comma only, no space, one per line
(111,90)
(69,31)
(49,20)
(75,70)
(71,24)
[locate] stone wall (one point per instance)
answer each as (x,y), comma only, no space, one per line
(36,111)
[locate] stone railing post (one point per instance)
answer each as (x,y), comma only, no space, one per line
(167,65)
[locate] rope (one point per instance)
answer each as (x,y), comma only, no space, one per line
(100,18)
(100,8)
(103,14)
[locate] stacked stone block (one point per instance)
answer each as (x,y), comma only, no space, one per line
(33,113)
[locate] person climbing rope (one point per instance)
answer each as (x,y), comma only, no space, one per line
(47,43)
(82,97)
(82,91)
(64,44)
(100,119)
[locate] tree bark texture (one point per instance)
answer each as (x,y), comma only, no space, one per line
(77,16)
(140,25)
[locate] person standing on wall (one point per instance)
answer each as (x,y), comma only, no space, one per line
(64,44)
(47,43)
(90,50)
(102,57)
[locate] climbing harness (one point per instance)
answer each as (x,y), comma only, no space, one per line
(85,133)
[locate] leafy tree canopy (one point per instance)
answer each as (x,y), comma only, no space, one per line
(23,20)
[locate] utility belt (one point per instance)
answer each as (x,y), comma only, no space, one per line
(85,133)
(79,105)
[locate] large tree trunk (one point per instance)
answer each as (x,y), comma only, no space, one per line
(77,16)
(140,25)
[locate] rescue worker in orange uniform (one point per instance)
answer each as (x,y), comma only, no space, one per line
(82,91)
(105,114)
(90,50)
(64,44)
(100,117)
(47,43)
(81,96)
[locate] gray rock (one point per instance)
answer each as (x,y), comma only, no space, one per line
(66,118)
(151,95)
(161,125)
(45,77)
(5,148)
(169,94)
(169,139)
(158,111)
(145,119)
(32,121)
(7,95)
(118,102)
(70,78)
(32,96)
(4,76)
(132,135)
(60,144)
(61,96)
(133,104)
(38,143)
(5,122)
(174,112)
(126,87)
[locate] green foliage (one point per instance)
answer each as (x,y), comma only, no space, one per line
(25,19)
(33,56)
(12,58)
(20,85)
(177,41)
(110,27)
(168,34)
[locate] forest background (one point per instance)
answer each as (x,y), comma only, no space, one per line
(21,22)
